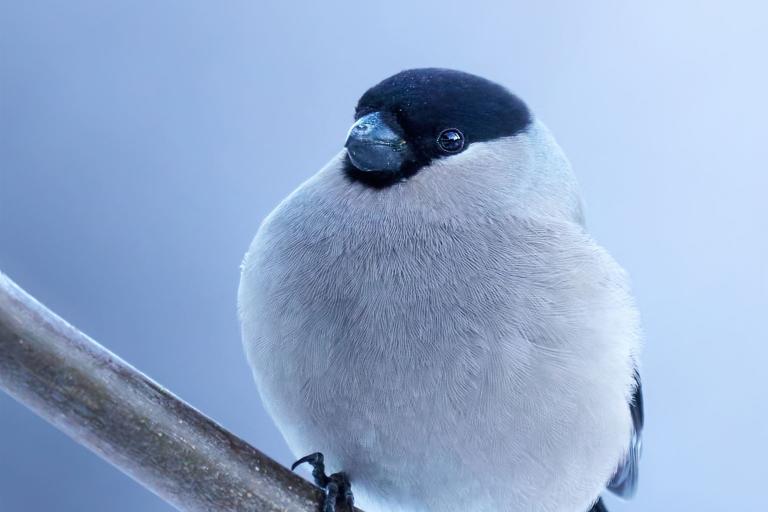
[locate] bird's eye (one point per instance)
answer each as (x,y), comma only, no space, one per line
(451,140)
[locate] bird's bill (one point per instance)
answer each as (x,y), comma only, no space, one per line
(376,143)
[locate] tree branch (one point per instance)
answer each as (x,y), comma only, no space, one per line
(131,421)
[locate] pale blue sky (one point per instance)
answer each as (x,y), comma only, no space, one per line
(142,142)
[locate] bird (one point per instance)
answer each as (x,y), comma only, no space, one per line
(428,316)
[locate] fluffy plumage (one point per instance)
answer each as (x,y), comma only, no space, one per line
(455,341)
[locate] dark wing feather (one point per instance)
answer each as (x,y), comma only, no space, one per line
(624,481)
(599,506)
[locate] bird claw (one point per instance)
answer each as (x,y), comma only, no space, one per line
(338,489)
(314,459)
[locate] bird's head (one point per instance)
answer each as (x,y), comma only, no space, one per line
(450,130)
(418,116)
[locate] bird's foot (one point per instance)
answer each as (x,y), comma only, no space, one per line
(338,490)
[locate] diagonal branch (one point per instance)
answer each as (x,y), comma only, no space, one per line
(131,421)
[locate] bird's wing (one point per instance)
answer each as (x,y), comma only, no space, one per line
(624,481)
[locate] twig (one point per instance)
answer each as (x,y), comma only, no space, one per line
(131,421)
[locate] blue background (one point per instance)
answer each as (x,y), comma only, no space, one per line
(141,143)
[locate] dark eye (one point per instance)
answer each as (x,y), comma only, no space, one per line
(451,140)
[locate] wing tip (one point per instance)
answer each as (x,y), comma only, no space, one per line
(624,482)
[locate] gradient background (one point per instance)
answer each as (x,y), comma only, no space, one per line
(141,143)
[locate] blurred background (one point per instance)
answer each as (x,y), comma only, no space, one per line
(141,143)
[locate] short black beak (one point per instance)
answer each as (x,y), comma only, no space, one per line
(375,143)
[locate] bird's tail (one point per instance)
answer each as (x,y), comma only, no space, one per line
(599,506)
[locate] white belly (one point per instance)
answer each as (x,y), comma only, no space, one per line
(441,369)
